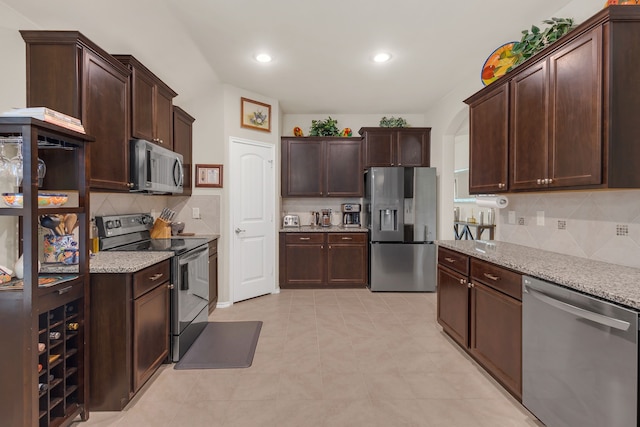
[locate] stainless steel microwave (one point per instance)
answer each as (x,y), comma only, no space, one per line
(155,169)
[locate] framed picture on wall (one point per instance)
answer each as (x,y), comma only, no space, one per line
(255,115)
(209,176)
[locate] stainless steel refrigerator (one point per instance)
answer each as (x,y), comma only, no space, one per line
(400,213)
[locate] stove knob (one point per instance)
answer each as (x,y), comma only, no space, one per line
(147,219)
(118,224)
(109,224)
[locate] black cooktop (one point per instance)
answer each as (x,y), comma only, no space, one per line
(177,245)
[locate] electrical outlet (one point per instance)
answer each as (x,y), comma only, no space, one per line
(195,213)
(540,217)
(521,220)
(512,217)
(562,224)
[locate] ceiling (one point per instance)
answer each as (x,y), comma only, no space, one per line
(322,50)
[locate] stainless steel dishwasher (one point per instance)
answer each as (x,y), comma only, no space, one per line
(579,358)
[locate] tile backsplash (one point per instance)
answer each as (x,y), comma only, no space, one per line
(208,205)
(599,225)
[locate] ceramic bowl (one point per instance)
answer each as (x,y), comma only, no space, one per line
(44,199)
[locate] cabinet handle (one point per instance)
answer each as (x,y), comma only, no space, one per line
(170,286)
(329,246)
(550,181)
(463,281)
(470,285)
(156,276)
(347,238)
(64,290)
(130,184)
(491,276)
(539,181)
(305,238)
(449,259)
(321,246)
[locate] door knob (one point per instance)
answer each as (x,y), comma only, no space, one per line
(240,230)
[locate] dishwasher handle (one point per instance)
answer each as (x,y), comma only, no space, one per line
(577,311)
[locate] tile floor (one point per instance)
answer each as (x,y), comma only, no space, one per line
(331,358)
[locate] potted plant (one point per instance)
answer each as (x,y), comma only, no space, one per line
(392,122)
(534,40)
(326,127)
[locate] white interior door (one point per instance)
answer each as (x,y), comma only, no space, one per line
(252,179)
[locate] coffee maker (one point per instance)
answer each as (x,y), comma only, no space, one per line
(350,214)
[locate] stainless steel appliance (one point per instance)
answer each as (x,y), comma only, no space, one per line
(155,169)
(400,213)
(189,272)
(579,358)
(325,219)
(291,221)
(350,214)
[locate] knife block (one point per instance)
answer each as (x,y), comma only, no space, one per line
(161,229)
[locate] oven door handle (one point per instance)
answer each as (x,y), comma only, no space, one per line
(192,255)
(577,311)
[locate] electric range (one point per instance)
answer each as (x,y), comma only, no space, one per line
(189,294)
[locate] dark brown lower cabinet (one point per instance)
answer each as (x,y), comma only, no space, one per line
(453,305)
(213,275)
(315,260)
(347,259)
(129,333)
(482,312)
(496,335)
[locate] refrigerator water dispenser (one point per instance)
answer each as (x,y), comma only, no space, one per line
(388,220)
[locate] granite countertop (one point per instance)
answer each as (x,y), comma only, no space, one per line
(113,262)
(332,229)
(611,282)
(121,262)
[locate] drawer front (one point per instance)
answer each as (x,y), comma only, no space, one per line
(150,277)
(499,278)
(347,237)
(62,294)
(213,247)
(304,238)
(454,260)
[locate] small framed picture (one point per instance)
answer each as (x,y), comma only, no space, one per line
(209,176)
(255,115)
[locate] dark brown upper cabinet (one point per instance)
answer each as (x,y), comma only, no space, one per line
(69,73)
(321,167)
(488,142)
(183,144)
(151,104)
(571,121)
(396,146)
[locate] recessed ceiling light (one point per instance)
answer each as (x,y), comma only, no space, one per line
(382,57)
(263,57)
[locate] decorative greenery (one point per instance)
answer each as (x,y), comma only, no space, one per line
(392,122)
(327,127)
(535,40)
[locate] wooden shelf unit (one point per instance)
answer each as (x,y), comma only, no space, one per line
(28,315)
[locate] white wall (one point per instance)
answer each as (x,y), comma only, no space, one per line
(232,128)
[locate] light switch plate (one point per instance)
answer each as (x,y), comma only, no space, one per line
(540,217)
(512,217)
(195,213)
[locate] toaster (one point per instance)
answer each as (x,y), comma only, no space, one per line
(290,221)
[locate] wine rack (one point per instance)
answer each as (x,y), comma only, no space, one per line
(58,362)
